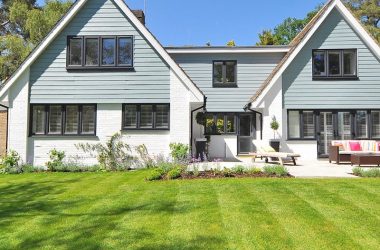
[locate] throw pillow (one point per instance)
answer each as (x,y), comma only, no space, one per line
(355,146)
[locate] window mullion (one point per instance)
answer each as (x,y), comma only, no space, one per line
(224,72)
(80,110)
(301,124)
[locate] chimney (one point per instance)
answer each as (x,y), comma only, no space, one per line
(140,15)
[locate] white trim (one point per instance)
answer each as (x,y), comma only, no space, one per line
(225,50)
(151,39)
(352,21)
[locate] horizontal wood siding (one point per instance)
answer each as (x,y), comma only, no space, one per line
(252,70)
(51,83)
(301,92)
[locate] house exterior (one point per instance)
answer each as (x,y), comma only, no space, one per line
(100,71)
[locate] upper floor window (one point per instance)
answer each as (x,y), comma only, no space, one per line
(56,119)
(100,52)
(146,116)
(334,64)
(225,74)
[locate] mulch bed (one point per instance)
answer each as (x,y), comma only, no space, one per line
(213,175)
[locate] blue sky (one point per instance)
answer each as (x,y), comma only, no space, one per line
(196,22)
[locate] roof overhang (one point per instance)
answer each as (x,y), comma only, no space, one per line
(77,6)
(227,50)
(294,51)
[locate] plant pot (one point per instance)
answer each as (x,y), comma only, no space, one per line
(275,144)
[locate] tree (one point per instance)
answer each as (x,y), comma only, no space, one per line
(23,26)
(231,43)
(267,37)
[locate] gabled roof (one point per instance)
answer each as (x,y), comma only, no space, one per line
(226,49)
(304,36)
(62,23)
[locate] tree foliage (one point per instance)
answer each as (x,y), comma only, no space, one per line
(23,24)
(231,43)
(367,11)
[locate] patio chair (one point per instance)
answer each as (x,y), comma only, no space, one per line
(266,151)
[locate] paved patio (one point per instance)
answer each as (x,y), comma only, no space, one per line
(304,169)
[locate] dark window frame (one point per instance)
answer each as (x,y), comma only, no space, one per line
(225,114)
(63,120)
(341,76)
(224,84)
(302,137)
(138,117)
(100,66)
(354,128)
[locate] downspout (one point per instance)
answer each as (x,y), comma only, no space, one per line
(248,107)
(192,118)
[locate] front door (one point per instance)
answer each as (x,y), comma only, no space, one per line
(247,133)
(333,126)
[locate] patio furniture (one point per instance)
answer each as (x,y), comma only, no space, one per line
(266,151)
(365,159)
(341,151)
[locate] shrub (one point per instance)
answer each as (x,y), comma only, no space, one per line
(279,171)
(239,169)
(114,155)
(254,171)
(358,171)
(146,160)
(179,152)
(10,163)
(155,175)
(56,160)
(227,172)
(374,172)
(27,168)
(174,173)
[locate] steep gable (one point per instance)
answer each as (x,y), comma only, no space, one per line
(300,91)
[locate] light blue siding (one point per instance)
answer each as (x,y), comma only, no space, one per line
(301,92)
(51,83)
(252,70)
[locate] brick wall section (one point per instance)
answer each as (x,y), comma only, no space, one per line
(3,131)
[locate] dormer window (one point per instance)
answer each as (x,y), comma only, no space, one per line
(334,64)
(96,52)
(224,74)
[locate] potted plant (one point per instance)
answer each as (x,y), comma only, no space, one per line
(275,143)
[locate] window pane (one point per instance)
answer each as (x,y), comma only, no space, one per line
(55,119)
(376,124)
(72,119)
(108,51)
(220,124)
(146,116)
(130,116)
(75,46)
(361,124)
(344,126)
(88,119)
(125,51)
(218,72)
(231,124)
(38,126)
(334,63)
(349,62)
(294,124)
(92,51)
(230,72)
(308,125)
(210,124)
(162,116)
(319,63)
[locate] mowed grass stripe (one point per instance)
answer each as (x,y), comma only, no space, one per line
(360,226)
(248,220)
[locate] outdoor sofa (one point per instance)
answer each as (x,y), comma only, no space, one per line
(341,151)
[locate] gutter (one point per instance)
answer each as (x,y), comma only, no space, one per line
(192,118)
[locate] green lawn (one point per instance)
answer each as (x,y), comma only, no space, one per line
(121,210)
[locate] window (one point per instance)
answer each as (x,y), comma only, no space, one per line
(219,123)
(225,74)
(361,124)
(63,119)
(301,124)
(375,117)
(146,116)
(334,64)
(100,52)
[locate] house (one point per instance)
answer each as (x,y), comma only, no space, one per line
(101,71)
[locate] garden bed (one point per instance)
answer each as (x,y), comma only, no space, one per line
(212,175)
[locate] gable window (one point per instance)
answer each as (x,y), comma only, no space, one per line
(146,116)
(68,119)
(334,64)
(96,52)
(224,74)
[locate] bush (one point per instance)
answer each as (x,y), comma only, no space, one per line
(358,171)
(279,171)
(371,173)
(10,163)
(114,155)
(155,175)
(146,160)
(179,152)
(227,172)
(254,171)
(174,173)
(56,160)
(239,169)
(27,168)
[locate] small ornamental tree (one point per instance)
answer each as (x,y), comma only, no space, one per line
(274,125)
